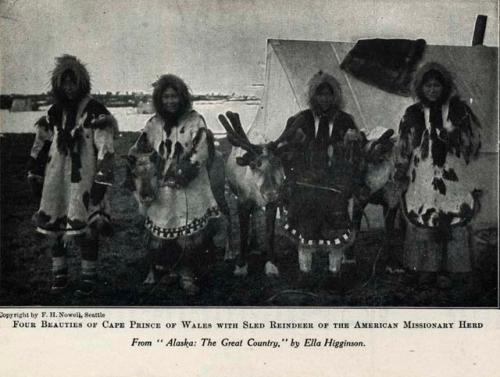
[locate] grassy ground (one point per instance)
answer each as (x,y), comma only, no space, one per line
(25,270)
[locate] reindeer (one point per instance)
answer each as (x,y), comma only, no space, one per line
(256,176)
(379,168)
(142,174)
(378,154)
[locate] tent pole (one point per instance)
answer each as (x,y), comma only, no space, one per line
(479,30)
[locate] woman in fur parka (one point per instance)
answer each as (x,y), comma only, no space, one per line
(323,174)
(72,159)
(180,213)
(438,137)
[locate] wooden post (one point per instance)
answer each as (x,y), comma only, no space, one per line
(479,30)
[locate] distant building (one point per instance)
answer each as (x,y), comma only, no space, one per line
(5,102)
(21,104)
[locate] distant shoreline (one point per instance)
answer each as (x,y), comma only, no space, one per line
(132,118)
(32,102)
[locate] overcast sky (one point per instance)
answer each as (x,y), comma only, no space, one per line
(216,46)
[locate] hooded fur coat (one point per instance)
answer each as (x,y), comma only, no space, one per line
(179,211)
(317,216)
(436,192)
(73,150)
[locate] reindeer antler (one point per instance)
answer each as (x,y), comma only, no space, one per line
(231,134)
(234,118)
(235,133)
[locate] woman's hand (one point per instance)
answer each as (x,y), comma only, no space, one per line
(186,172)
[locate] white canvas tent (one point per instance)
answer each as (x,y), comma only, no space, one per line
(290,64)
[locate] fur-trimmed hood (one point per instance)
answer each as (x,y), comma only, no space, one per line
(176,83)
(70,63)
(423,70)
(324,78)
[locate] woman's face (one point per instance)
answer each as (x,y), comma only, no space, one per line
(325,98)
(171,100)
(69,88)
(432,90)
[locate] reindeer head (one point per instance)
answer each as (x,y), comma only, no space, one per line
(378,157)
(378,144)
(143,164)
(265,171)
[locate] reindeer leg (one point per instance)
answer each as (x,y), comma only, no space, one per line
(390,218)
(357,214)
(228,251)
(270,268)
(151,277)
(393,261)
(244,210)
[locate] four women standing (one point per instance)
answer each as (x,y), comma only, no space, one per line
(73,150)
